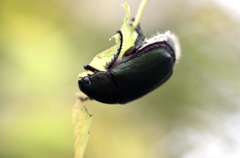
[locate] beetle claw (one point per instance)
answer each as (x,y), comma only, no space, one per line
(83,99)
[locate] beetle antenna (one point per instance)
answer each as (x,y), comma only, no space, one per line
(90,68)
(115,56)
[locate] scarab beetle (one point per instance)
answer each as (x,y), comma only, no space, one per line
(142,68)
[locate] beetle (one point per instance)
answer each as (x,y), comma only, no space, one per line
(143,67)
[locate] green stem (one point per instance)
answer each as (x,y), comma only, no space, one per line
(139,13)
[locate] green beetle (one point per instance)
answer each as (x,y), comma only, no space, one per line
(142,68)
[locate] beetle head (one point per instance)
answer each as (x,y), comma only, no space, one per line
(100,86)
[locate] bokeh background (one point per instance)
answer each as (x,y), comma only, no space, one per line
(43,45)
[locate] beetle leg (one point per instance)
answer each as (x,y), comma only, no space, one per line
(138,28)
(115,56)
(90,68)
(140,39)
(138,42)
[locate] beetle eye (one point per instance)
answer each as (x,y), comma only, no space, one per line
(86,80)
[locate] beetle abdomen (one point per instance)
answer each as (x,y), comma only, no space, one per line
(143,72)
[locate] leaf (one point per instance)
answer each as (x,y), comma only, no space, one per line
(82,120)
(129,36)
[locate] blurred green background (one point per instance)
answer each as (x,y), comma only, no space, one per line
(43,45)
